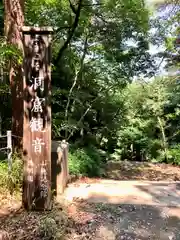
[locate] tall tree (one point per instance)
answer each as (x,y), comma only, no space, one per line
(1,18)
(13,22)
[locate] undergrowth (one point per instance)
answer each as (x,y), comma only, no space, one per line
(11,179)
(87,161)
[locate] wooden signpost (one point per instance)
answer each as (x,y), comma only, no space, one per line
(37,118)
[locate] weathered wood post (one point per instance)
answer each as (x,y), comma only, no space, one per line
(59,170)
(9,147)
(63,176)
(37,118)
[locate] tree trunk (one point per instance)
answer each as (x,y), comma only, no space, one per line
(163,137)
(77,76)
(13,22)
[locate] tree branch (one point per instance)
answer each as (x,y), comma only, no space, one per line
(71,33)
(87,110)
(84,114)
(94,4)
(72,7)
(78,74)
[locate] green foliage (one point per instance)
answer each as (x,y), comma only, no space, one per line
(95,66)
(85,161)
(151,121)
(11,180)
(174,155)
(49,229)
(9,52)
(53,225)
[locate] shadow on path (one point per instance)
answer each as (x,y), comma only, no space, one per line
(82,220)
(129,222)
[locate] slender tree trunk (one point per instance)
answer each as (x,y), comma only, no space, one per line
(13,22)
(77,76)
(163,137)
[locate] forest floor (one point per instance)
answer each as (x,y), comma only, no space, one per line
(137,201)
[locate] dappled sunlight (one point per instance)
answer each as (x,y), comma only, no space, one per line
(130,192)
(9,203)
(164,194)
(106,210)
(109,169)
(130,209)
(128,221)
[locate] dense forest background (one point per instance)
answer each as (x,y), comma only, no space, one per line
(115,82)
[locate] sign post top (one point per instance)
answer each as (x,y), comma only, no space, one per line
(39,30)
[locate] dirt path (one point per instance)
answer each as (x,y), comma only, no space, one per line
(103,210)
(162,193)
(114,210)
(127,221)
(98,209)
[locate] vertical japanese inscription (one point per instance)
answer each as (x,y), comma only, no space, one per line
(37,119)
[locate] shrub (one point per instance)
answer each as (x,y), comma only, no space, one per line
(48,228)
(85,161)
(11,180)
(53,225)
(173,155)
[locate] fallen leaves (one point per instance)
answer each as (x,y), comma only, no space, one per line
(126,170)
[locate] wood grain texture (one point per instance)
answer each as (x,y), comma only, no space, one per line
(37,120)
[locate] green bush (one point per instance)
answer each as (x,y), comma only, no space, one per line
(11,180)
(48,228)
(173,155)
(53,225)
(85,162)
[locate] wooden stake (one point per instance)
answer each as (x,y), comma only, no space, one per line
(9,147)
